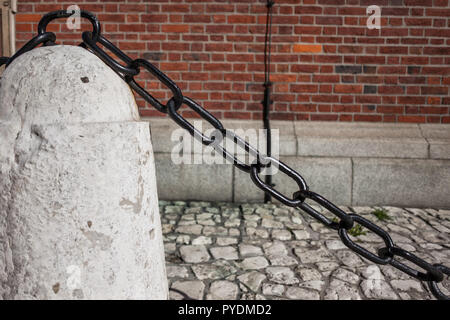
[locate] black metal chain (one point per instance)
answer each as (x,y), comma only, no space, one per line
(389,254)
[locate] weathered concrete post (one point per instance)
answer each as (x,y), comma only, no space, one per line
(79,214)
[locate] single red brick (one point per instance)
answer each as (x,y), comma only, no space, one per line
(434,90)
(237,115)
(175,28)
(197,18)
(303,107)
(411,119)
(433,110)
(26,17)
(175,8)
(125,45)
(234,19)
(326,78)
(304,88)
(53,7)
(368,117)
(24,27)
(390,109)
(346,117)
(111,18)
(308,10)
(437,51)
(324,117)
(329,20)
(411,100)
(346,88)
(394,50)
(311,48)
(175,66)
(420,3)
(154,18)
(391,89)
(418,22)
(346,108)
(325,98)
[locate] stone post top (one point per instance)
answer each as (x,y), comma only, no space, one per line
(63,84)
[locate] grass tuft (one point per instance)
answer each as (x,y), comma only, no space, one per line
(356,230)
(381,214)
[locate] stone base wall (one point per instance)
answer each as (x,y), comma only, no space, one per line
(405,165)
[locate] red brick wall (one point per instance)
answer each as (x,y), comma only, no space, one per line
(327,65)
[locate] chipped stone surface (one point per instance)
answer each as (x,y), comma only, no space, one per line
(282,275)
(346,275)
(250,263)
(194,254)
(308,274)
(281,235)
(301,234)
(227,253)
(193,289)
(272,289)
(296,293)
(177,272)
(335,244)
(340,290)
(254,263)
(378,289)
(79,215)
(202,240)
(215,270)
(222,290)
(222,241)
(252,280)
(406,285)
(249,250)
(313,256)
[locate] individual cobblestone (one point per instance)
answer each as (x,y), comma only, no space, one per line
(222,290)
(267,251)
(252,280)
(193,289)
(194,254)
(296,293)
(249,250)
(281,275)
(340,290)
(254,263)
(227,253)
(216,270)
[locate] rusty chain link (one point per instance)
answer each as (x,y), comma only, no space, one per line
(433,274)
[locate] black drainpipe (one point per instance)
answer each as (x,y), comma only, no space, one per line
(267,89)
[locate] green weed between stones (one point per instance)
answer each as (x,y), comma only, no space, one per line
(356,230)
(381,214)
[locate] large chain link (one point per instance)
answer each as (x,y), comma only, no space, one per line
(342,222)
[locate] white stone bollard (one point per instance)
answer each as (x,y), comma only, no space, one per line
(79,214)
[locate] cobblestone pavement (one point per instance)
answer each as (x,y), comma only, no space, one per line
(266,251)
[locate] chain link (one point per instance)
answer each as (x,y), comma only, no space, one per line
(361,250)
(433,275)
(177,98)
(121,70)
(61,14)
(3,60)
(433,285)
(182,122)
(33,43)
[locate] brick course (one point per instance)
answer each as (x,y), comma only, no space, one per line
(327,65)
